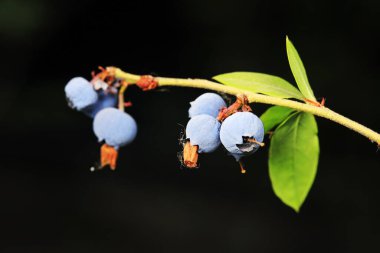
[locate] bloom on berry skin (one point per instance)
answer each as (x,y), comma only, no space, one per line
(105,100)
(242,133)
(115,127)
(202,134)
(80,93)
(207,103)
(203,131)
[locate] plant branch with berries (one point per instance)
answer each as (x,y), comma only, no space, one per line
(309,105)
(290,122)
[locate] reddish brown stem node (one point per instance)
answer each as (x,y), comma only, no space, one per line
(241,104)
(105,75)
(315,103)
(147,82)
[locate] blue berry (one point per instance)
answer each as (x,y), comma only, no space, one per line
(237,130)
(115,127)
(207,103)
(105,100)
(80,93)
(203,131)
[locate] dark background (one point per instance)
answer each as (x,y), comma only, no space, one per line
(49,200)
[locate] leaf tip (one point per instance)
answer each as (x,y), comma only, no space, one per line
(288,42)
(296,208)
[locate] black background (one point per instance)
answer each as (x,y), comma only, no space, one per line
(49,200)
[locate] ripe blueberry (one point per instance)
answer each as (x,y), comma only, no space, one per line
(202,136)
(80,93)
(207,103)
(203,131)
(105,100)
(242,133)
(115,127)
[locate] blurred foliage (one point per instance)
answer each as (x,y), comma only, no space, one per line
(20,18)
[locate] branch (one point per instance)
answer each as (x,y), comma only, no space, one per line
(256,98)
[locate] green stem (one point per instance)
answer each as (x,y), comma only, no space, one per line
(256,98)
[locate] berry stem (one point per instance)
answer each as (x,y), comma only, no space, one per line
(257,98)
(123,88)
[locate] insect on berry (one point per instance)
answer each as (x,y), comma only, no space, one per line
(116,129)
(80,93)
(202,136)
(207,103)
(242,134)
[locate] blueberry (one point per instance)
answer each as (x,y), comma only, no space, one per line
(115,127)
(207,103)
(203,131)
(241,134)
(105,100)
(80,93)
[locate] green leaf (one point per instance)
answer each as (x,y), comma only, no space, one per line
(293,158)
(298,70)
(274,116)
(260,83)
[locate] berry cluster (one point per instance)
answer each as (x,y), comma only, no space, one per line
(97,99)
(239,130)
(211,122)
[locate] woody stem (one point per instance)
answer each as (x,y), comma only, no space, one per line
(257,98)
